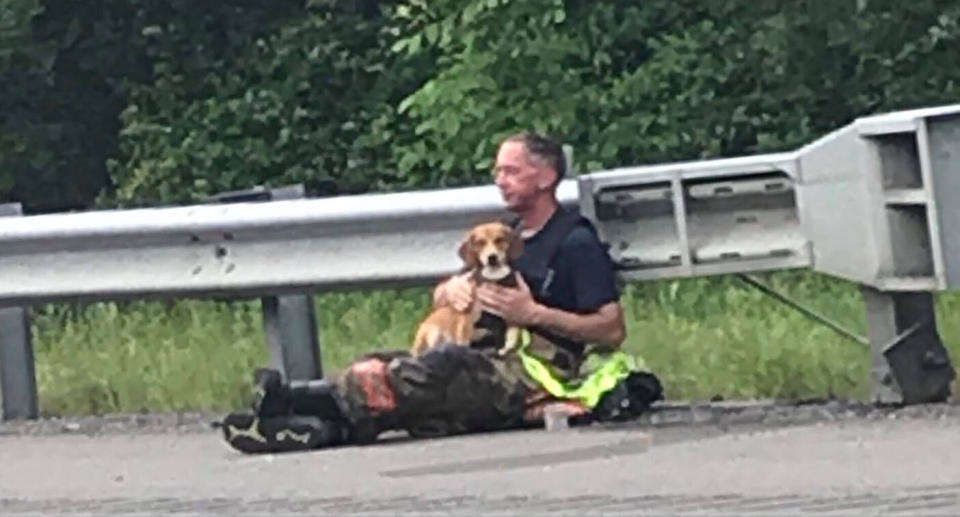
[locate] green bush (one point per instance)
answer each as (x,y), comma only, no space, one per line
(133,102)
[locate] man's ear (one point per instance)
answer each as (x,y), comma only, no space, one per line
(466,252)
(515,248)
(547,178)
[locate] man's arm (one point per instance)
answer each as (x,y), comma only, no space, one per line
(605,327)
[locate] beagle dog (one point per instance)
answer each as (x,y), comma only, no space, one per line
(487,252)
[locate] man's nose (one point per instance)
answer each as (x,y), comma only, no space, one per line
(499,179)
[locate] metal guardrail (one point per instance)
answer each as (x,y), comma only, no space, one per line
(18,382)
(873,202)
(699,218)
(399,239)
(893,175)
(242,249)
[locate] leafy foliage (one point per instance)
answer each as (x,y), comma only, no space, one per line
(163,101)
(664,80)
(306,102)
(147,101)
(40,140)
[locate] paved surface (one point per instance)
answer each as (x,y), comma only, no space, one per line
(746,461)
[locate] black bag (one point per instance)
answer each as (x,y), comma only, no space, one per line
(630,398)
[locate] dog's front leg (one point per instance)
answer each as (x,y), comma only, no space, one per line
(510,341)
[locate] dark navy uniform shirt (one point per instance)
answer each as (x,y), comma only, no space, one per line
(582,280)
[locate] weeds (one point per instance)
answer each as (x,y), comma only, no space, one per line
(706,338)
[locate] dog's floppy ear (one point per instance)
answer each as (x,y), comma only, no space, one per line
(515,248)
(466,252)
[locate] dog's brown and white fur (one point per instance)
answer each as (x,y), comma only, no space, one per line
(487,251)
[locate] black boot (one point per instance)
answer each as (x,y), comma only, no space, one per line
(252,434)
(316,397)
(288,417)
(321,398)
(271,397)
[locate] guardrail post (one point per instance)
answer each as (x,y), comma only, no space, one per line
(289,322)
(18,381)
(909,362)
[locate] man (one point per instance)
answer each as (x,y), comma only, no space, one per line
(582,305)
(566,296)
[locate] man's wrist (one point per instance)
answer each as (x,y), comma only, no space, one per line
(539,315)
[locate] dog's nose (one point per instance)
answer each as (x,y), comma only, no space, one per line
(493,260)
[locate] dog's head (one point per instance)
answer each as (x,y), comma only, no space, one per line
(490,248)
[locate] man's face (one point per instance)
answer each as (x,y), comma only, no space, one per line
(520,178)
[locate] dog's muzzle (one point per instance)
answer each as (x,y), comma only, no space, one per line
(493,260)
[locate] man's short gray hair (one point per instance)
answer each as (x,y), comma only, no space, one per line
(544,149)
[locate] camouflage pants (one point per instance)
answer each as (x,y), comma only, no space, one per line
(448,390)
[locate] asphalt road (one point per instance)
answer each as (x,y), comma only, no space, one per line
(812,460)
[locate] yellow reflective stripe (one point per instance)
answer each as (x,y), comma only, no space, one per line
(540,373)
(537,370)
(614,367)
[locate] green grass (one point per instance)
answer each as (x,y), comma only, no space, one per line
(704,337)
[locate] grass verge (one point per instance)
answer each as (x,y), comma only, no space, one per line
(705,338)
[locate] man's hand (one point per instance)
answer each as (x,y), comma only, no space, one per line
(603,327)
(514,304)
(457,291)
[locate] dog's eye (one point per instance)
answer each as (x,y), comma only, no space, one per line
(499,241)
(480,243)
